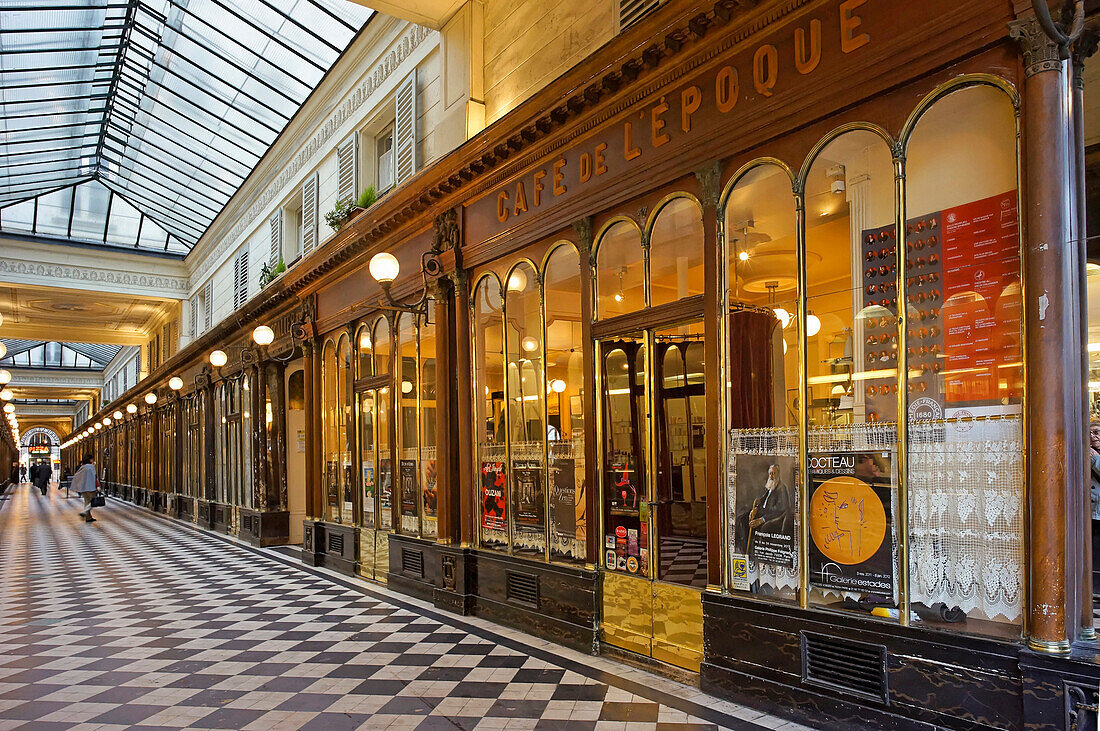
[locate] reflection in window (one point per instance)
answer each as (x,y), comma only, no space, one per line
(964,341)
(620,271)
(676,252)
(564,346)
(408,427)
(762,381)
(428,387)
(384,409)
(329,431)
(851,360)
(489,412)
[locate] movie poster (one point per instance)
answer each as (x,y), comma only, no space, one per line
(765,508)
(431,503)
(527,476)
(492,495)
(850,522)
(408,487)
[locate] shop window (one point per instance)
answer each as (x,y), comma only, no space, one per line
(965,376)
(247,493)
(220,464)
(851,367)
(329,431)
(345,475)
(526,399)
(620,271)
(676,252)
(564,347)
(489,411)
(428,470)
(366,352)
(406,381)
(762,383)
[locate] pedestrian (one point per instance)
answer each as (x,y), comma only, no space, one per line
(14,476)
(33,476)
(22,473)
(86,484)
(44,474)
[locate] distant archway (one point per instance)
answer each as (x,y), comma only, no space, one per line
(40,436)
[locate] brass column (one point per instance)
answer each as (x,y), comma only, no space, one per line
(465,410)
(1051,302)
(592,508)
(309,385)
(446,394)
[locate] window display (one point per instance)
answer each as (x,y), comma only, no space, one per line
(489,398)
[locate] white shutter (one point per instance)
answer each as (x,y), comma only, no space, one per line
(276,223)
(195,316)
(309,214)
(346,156)
(208,304)
(240,280)
(404,128)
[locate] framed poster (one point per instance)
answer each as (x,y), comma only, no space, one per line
(527,477)
(385,488)
(492,496)
(408,487)
(431,503)
(765,507)
(850,522)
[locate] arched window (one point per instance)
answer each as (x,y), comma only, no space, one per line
(676,252)
(620,271)
(488,353)
(330,430)
(428,385)
(383,413)
(408,427)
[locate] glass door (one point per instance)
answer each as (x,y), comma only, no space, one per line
(376,476)
(653,488)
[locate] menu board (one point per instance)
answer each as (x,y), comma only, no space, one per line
(492,495)
(963,330)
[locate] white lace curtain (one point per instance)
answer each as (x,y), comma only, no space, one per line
(966,515)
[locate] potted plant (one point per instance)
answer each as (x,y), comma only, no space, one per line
(268,273)
(343,212)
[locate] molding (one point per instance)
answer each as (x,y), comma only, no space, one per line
(25,437)
(401,49)
(23,379)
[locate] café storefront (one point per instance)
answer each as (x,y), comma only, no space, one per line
(744,351)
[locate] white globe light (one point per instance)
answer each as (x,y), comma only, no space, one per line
(517,282)
(150,398)
(406,387)
(98,425)
(263,335)
(557,385)
(175,383)
(118,415)
(106,421)
(6,395)
(218,358)
(5,377)
(3,350)
(530,344)
(131,409)
(813,325)
(782,315)
(384,267)
(9,408)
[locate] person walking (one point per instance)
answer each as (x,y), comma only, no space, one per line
(32,475)
(86,484)
(44,474)
(22,473)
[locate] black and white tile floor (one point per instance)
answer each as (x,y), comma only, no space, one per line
(136,621)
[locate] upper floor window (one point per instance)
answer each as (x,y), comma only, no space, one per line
(384,159)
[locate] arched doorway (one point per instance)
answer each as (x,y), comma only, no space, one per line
(40,445)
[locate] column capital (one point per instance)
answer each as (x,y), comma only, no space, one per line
(1041,52)
(1083,48)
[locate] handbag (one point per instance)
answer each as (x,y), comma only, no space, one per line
(98,501)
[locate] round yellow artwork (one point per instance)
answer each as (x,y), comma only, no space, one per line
(847,521)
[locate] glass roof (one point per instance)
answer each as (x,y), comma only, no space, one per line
(52,354)
(168,103)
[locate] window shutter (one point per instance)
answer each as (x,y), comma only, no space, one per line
(346,156)
(195,316)
(404,128)
(276,223)
(240,280)
(631,11)
(309,214)
(208,304)
(137,369)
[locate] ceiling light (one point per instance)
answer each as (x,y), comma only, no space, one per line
(529,344)
(783,316)
(813,325)
(517,282)
(98,425)
(743,256)
(106,421)
(406,387)
(3,350)
(557,385)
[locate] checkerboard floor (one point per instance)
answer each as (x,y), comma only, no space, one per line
(683,561)
(135,621)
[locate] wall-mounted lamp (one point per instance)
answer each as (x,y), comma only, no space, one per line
(118,416)
(150,398)
(263,335)
(131,408)
(6,395)
(384,268)
(175,383)
(218,358)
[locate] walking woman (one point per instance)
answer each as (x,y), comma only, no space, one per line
(85,483)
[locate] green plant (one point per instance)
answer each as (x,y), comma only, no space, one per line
(338,216)
(367,198)
(268,273)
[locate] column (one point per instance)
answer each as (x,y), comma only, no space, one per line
(1053,346)
(446,392)
(592,465)
(309,383)
(465,409)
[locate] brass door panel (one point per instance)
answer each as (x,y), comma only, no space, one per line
(677,625)
(366,553)
(381,555)
(627,620)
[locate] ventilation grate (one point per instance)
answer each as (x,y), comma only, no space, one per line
(336,543)
(858,668)
(412,563)
(523,588)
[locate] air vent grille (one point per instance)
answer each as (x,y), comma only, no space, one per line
(336,543)
(858,668)
(523,588)
(412,562)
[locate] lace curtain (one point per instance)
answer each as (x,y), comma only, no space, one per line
(966,515)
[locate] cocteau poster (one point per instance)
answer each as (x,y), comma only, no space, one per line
(850,522)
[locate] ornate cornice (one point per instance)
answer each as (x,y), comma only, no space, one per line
(360,95)
(128,281)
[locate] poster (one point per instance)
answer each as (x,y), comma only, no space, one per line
(765,508)
(492,495)
(385,488)
(431,503)
(368,487)
(622,482)
(408,486)
(301,440)
(527,476)
(566,526)
(850,522)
